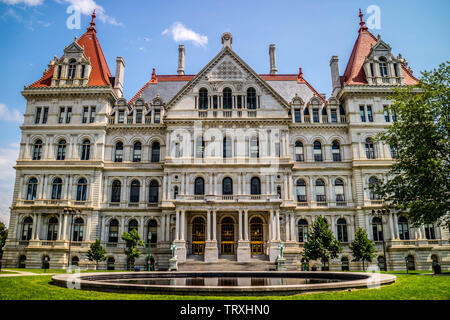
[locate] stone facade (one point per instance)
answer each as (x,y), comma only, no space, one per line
(226,163)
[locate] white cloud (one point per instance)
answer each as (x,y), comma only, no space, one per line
(180,33)
(13,115)
(8,158)
(86,7)
(26,2)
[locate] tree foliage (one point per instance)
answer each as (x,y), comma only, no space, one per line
(418,182)
(362,247)
(96,252)
(132,240)
(3,236)
(321,243)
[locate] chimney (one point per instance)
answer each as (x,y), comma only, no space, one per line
(180,70)
(335,77)
(118,82)
(273,62)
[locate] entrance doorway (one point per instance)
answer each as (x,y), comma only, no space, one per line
(227,236)
(256,235)
(198,236)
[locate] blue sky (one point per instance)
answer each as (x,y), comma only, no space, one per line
(306,33)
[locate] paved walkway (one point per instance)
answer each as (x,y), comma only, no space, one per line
(15,273)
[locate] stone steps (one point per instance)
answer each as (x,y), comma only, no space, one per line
(226,265)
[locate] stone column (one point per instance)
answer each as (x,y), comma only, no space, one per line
(208,226)
(167,238)
(287,227)
(64,236)
(397,235)
(38,226)
(240,225)
(60,226)
(183,225)
(177,226)
(165,187)
(333,226)
(271,227)
(292,227)
(246,225)
(215,225)
(277,216)
(182,183)
(391,227)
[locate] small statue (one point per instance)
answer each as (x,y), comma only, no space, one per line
(173,247)
(281,247)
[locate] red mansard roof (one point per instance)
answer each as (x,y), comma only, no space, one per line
(100,72)
(354,72)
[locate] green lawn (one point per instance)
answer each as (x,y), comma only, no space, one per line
(55,270)
(407,287)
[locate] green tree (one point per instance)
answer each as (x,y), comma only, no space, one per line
(418,182)
(362,247)
(3,236)
(321,243)
(96,253)
(132,240)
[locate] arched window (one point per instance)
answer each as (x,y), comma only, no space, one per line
(255,186)
(118,154)
(82,189)
(339,190)
(116,188)
(299,155)
(200,147)
(345,266)
(302,230)
(301,190)
(410,261)
(227,186)
(37,150)
(370,149)
(110,263)
(318,151)
(227,98)
(32,189)
(251,98)
(86,150)
(75,261)
(227,147)
(429,231)
(320,191)
(199,186)
(52,232)
(153,196)
(372,182)
(377,229)
(27,230)
(203,99)
(383,67)
(254,147)
(137,150)
(72,69)
(381,263)
(61,150)
(22,261)
(133,225)
(78,230)
(156,148)
(403,228)
(153,228)
(336,151)
(342,230)
(113,235)
(134,191)
(279,192)
(56,189)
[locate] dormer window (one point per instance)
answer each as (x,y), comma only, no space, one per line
(59,72)
(383,67)
(72,69)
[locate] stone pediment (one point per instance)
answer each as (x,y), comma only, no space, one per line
(226,70)
(74,47)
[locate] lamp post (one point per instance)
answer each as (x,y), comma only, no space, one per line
(45,264)
(149,255)
(406,262)
(305,263)
(72,212)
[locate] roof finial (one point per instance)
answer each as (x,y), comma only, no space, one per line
(361,21)
(300,74)
(92,27)
(153,79)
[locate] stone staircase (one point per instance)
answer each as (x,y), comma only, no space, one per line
(196,263)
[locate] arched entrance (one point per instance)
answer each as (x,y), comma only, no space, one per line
(198,236)
(256,235)
(227,236)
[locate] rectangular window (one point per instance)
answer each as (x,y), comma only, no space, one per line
(316,115)
(92,115)
(239,102)
(371,70)
(277,149)
(121,116)
(61,114)
(369,113)
(45,115)
(85,114)
(333,116)
(396,70)
(157,116)
(386,114)
(297,115)
(83,70)
(362,113)
(394,117)
(68,114)
(139,116)
(215,104)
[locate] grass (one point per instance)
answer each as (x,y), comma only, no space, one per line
(407,287)
(40,271)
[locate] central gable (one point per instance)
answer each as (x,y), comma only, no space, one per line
(226,70)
